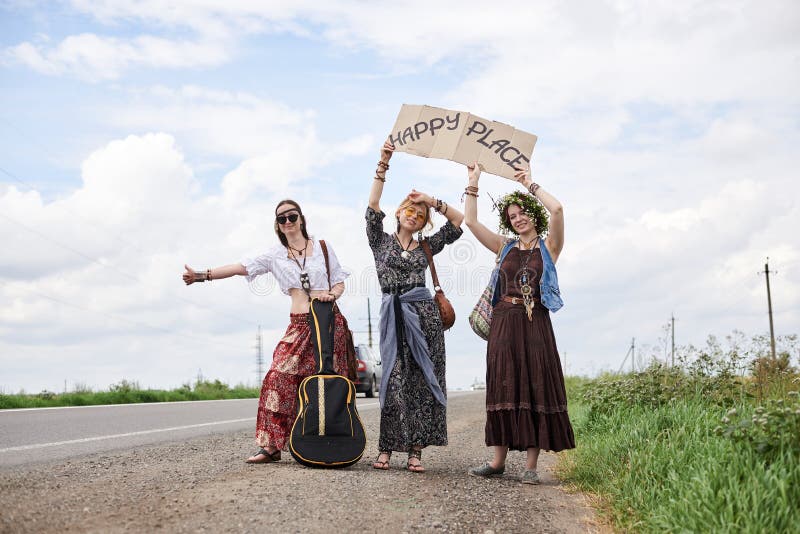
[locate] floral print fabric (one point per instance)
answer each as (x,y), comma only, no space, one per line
(292,361)
(411,416)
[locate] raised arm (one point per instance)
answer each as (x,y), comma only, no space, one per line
(191,276)
(380,176)
(555,236)
(453,215)
(488,239)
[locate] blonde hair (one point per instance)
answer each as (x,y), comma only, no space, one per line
(406,203)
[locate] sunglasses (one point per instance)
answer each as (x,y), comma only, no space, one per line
(283,218)
(411,212)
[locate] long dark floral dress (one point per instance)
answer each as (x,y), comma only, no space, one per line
(411,416)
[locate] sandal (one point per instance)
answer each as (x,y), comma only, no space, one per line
(268,457)
(378,464)
(417,467)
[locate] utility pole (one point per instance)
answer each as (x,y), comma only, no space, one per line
(673,339)
(632,353)
(369,324)
(259,356)
(769,307)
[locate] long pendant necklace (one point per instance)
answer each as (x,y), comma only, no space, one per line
(405,254)
(305,282)
(525,286)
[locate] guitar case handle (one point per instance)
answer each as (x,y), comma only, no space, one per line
(323,326)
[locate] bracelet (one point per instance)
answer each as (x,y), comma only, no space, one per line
(438,206)
(533,188)
(383,165)
(470,193)
(445,209)
(202,277)
(382,179)
(473,188)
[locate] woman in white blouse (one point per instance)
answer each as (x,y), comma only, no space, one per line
(298,265)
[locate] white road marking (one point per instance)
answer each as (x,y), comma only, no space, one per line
(138,404)
(128,434)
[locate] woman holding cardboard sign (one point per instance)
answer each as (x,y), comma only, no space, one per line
(413,394)
(304,268)
(526,401)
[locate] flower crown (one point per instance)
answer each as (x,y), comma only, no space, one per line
(529,204)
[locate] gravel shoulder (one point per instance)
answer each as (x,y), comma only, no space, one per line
(203,485)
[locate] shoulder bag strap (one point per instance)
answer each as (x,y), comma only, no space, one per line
(427,248)
(327,261)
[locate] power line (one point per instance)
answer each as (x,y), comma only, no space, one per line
(122,319)
(113,268)
(115,235)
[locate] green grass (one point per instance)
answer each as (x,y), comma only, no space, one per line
(670,466)
(129,393)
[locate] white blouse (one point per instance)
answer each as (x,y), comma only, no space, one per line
(287,273)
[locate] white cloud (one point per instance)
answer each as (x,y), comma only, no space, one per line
(95,58)
(668,130)
(525,59)
(234,124)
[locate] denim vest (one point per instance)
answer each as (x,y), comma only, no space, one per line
(548,283)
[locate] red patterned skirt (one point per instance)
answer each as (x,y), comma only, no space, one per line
(292,361)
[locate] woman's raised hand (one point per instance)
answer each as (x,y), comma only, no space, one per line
(188,276)
(523,175)
(418,197)
(386,152)
(474,172)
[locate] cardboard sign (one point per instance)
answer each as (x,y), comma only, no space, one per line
(459,136)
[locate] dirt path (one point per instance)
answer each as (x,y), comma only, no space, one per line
(203,486)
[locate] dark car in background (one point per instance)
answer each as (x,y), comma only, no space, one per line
(369,370)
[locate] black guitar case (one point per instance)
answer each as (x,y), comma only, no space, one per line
(327,431)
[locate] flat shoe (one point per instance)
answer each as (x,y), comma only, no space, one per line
(486,470)
(530,476)
(268,458)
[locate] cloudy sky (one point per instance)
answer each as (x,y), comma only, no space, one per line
(136,136)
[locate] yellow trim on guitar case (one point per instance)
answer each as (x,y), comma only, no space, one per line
(321,387)
(319,336)
(352,390)
(321,405)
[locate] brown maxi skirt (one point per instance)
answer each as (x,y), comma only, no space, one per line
(526,401)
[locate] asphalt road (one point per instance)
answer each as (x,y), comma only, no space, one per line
(174,482)
(29,436)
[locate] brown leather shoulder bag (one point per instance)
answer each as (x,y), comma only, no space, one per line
(446,310)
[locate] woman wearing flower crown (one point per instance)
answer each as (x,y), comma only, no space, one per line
(526,401)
